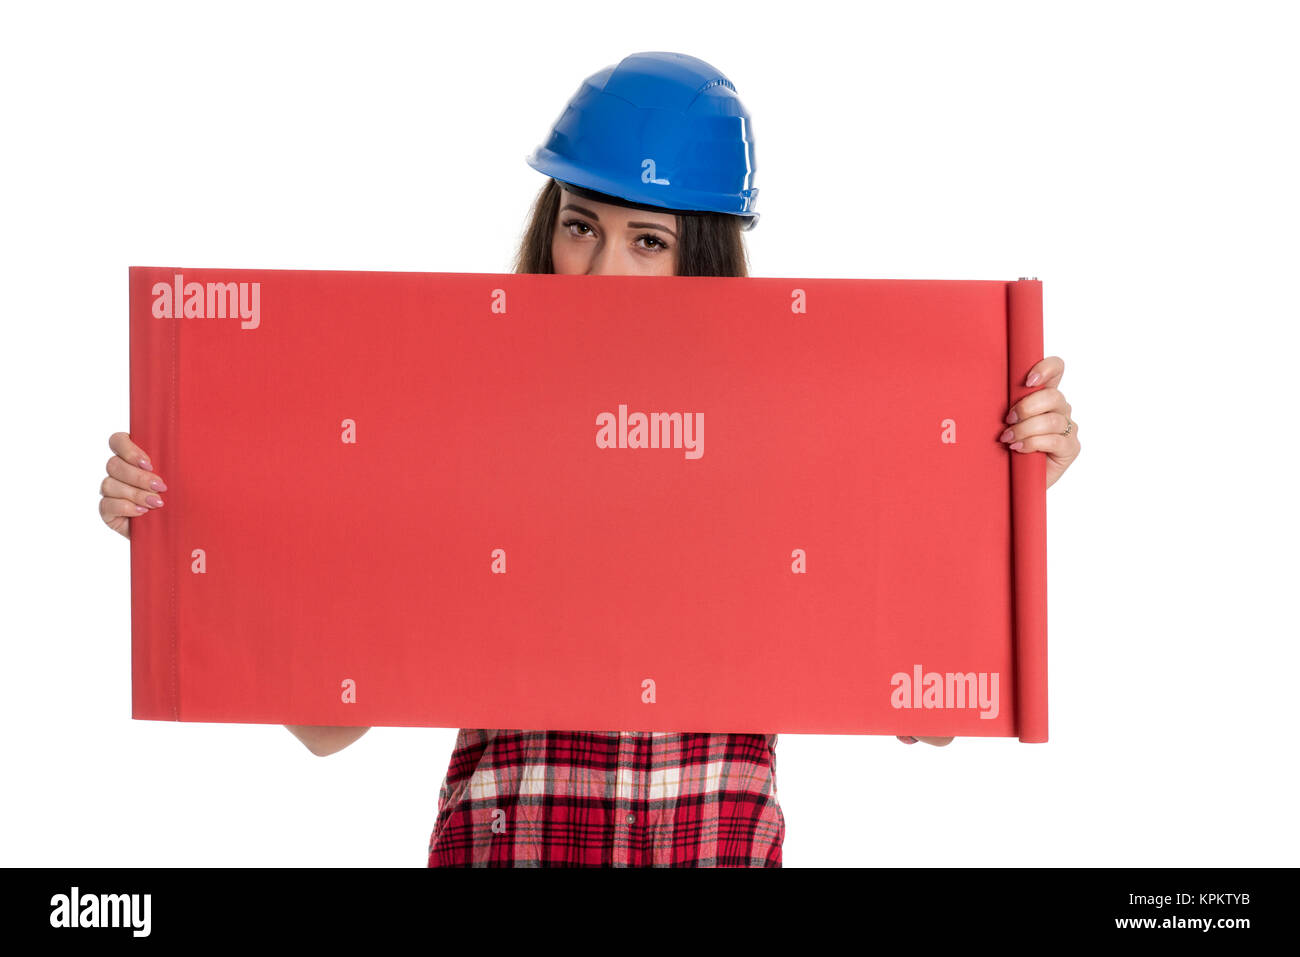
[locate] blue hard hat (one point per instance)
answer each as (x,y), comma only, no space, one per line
(664,130)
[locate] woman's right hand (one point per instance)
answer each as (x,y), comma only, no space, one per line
(129,490)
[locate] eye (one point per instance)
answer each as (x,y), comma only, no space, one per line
(653,242)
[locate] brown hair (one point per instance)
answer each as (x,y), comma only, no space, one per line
(708,244)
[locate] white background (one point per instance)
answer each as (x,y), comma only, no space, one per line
(1139,158)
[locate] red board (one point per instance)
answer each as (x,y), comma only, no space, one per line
(587,502)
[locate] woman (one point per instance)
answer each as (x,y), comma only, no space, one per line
(650,173)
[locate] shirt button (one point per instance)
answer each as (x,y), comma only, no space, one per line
(631,819)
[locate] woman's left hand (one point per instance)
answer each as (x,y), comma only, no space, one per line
(1039,422)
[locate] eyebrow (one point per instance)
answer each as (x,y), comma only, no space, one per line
(586,212)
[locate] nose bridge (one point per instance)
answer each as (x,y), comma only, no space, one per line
(605,260)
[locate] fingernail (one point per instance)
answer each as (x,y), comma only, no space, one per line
(144,464)
(153,500)
(1006,436)
(1033,379)
(141,508)
(907,739)
(1017,446)
(1012,418)
(157,485)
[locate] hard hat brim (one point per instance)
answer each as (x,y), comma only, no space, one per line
(546,161)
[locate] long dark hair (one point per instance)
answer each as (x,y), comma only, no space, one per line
(708,244)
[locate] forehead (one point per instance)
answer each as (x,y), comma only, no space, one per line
(607,212)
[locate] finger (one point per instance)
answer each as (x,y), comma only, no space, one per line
(1049,371)
(938,742)
(121,443)
(1044,424)
(129,474)
(906,738)
(1063,447)
(1049,399)
(114,489)
(119,508)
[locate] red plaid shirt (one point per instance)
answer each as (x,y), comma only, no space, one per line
(609,798)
